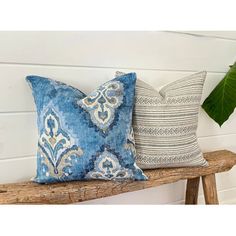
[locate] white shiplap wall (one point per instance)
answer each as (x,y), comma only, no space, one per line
(87,59)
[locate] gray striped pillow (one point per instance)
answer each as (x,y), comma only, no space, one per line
(165,123)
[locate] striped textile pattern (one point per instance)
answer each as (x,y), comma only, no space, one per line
(165,123)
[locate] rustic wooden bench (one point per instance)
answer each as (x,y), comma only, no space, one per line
(78,191)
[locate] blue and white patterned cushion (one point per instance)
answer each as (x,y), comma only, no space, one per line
(85,137)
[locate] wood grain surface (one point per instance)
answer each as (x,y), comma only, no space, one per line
(78,191)
(191,196)
(209,188)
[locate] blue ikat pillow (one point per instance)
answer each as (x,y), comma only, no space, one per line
(85,137)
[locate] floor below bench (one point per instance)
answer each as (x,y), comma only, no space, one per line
(78,191)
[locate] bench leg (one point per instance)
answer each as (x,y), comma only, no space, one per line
(191,196)
(209,188)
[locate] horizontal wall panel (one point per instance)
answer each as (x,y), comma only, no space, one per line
(17,170)
(220,34)
(18,135)
(226,179)
(15,94)
(149,50)
(220,142)
(208,127)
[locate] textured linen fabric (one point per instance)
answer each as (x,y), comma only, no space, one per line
(165,123)
(85,137)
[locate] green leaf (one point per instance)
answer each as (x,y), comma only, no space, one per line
(220,104)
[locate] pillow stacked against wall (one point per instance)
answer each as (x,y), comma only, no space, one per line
(85,137)
(165,123)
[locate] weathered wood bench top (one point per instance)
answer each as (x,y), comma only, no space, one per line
(78,191)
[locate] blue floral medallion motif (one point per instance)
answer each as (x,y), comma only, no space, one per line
(107,167)
(85,137)
(56,147)
(102,103)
